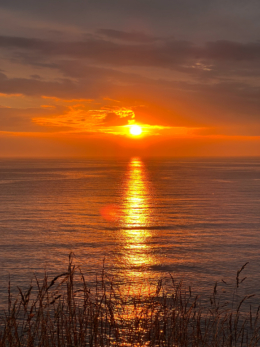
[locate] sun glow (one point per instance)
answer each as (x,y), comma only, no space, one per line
(135,130)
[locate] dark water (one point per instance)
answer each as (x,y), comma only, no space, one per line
(198,219)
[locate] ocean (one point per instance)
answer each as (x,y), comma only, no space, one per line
(196,219)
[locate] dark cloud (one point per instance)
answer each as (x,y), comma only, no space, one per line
(154,102)
(189,19)
(168,53)
(180,63)
(219,85)
(20,120)
(36,77)
(232,51)
(36,87)
(112,119)
(127,36)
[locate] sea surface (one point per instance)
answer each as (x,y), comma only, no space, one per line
(197,219)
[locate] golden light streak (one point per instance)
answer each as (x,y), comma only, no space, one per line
(136,221)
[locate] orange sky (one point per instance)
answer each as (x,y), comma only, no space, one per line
(74,88)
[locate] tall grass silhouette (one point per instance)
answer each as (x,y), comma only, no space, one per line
(66,311)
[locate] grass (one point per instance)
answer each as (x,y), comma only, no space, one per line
(66,311)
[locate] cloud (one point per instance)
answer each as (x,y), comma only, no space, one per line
(206,85)
(166,53)
(20,120)
(202,20)
(81,118)
(36,87)
(232,51)
(133,36)
(154,102)
(91,68)
(96,57)
(111,119)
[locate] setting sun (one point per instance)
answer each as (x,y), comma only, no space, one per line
(135,130)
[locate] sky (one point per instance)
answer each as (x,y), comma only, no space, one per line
(75,75)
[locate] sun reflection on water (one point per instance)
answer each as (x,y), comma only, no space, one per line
(136,200)
(136,222)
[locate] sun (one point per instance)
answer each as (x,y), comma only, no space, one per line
(135,130)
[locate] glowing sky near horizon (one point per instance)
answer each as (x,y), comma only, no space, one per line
(76,75)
